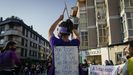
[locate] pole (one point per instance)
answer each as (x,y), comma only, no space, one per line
(64,10)
(67,10)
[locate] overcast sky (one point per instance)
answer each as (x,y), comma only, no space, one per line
(39,13)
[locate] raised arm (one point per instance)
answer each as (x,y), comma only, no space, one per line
(54,25)
(75,34)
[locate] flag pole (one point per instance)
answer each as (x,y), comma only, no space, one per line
(64,10)
(67,10)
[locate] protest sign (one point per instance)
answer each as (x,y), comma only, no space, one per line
(103,70)
(66,60)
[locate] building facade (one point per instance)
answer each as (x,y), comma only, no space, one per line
(126,13)
(31,46)
(105,23)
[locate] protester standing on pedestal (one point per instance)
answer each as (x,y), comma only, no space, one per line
(65,28)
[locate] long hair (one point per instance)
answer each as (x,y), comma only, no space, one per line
(9,43)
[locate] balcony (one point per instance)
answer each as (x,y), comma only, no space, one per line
(11,32)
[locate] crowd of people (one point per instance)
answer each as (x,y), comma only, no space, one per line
(10,63)
(125,65)
(34,69)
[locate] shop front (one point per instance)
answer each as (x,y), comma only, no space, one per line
(95,56)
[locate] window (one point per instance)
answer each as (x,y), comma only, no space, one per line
(11,26)
(130,24)
(103,34)
(30,53)
(31,35)
(2,40)
(129,20)
(131,2)
(26,42)
(2,29)
(101,14)
(128,3)
(35,54)
(84,37)
(101,10)
(22,51)
(128,15)
(39,47)
(35,37)
(95,59)
(39,40)
(83,21)
(23,31)
(26,33)
(25,52)
(39,55)
(118,56)
(22,42)
(10,37)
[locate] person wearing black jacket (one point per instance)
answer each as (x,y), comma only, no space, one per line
(85,67)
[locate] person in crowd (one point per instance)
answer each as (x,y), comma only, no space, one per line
(93,62)
(9,59)
(33,69)
(130,59)
(42,68)
(107,62)
(49,64)
(38,69)
(65,29)
(27,69)
(125,54)
(85,67)
(122,66)
(125,58)
(111,62)
(127,67)
(81,72)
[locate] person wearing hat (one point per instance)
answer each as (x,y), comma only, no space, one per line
(64,29)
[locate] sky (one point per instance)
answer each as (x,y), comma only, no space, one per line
(41,14)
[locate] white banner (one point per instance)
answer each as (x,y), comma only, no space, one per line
(103,70)
(66,60)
